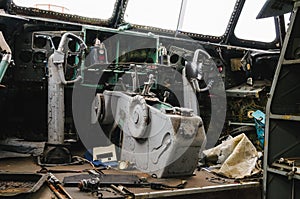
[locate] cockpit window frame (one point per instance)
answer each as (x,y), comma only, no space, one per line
(227,38)
(197,36)
(68,7)
(117,19)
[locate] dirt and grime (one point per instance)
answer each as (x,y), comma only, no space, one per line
(15,186)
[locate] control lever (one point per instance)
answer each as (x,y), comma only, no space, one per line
(55,151)
(135,79)
(59,57)
(148,85)
(166,96)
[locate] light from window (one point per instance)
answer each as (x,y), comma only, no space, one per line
(209,18)
(101,9)
(287,19)
(157,13)
(250,28)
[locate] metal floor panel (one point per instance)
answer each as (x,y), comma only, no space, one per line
(202,185)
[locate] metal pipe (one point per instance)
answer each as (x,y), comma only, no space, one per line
(198,89)
(64,191)
(240,124)
(4,65)
(196,54)
(55,191)
(63,41)
(3,44)
(6,59)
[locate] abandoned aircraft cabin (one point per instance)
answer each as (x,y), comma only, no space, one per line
(123,99)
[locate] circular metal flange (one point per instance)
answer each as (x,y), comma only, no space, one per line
(97,109)
(138,116)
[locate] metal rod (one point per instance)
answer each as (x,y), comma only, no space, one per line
(240,124)
(181,16)
(64,191)
(55,191)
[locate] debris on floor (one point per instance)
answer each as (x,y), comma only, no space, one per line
(235,158)
(14,184)
(14,147)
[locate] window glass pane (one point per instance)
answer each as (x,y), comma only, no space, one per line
(287,20)
(209,17)
(157,13)
(101,9)
(250,28)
